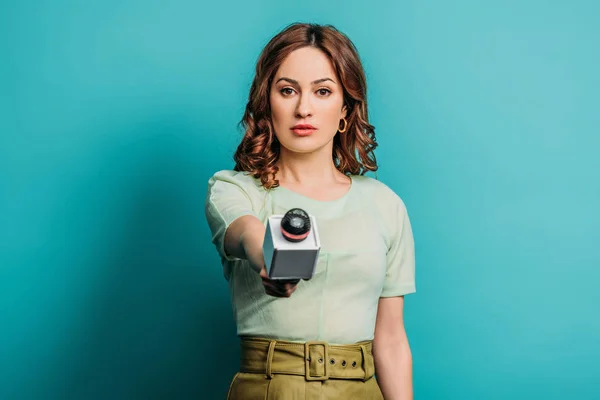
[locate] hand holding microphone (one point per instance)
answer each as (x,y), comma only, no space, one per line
(286,253)
(254,254)
(278,287)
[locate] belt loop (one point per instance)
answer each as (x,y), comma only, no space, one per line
(367,367)
(270,358)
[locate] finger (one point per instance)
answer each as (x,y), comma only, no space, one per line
(273,290)
(280,283)
(280,290)
(273,293)
(291,290)
(270,286)
(289,286)
(286,290)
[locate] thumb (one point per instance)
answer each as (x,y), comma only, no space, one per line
(263,273)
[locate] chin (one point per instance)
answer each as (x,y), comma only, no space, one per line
(303,145)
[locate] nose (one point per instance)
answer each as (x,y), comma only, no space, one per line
(304,106)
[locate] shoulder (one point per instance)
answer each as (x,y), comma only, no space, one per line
(386,205)
(229,182)
(378,192)
(241,178)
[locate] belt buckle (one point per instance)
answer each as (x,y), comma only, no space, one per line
(307,360)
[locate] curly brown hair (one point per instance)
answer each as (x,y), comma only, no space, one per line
(353,152)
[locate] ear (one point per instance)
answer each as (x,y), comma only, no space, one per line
(344,111)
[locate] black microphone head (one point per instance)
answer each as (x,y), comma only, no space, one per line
(295,225)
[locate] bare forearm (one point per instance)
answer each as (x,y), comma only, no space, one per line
(393,367)
(251,242)
(244,239)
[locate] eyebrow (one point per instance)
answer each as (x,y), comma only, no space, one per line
(295,82)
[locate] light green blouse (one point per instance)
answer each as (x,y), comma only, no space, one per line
(367,252)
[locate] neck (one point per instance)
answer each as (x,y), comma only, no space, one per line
(310,169)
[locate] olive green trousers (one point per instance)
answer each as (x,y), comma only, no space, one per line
(280,370)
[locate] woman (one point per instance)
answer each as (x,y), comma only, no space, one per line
(307,144)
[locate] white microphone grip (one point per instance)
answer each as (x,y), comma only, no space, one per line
(287,260)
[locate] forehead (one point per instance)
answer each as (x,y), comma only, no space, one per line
(306,65)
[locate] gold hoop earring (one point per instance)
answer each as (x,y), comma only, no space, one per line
(345,126)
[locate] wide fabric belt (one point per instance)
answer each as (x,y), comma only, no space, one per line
(315,360)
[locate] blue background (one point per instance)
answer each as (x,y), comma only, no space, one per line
(114,114)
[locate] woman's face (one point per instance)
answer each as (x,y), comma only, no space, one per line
(306,90)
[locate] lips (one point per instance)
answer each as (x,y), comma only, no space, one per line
(303,129)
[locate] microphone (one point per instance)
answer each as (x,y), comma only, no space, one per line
(295,225)
(291,246)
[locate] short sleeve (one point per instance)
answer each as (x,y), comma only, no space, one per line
(227,199)
(400,272)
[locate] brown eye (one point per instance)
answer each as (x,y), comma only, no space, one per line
(286,91)
(323,92)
